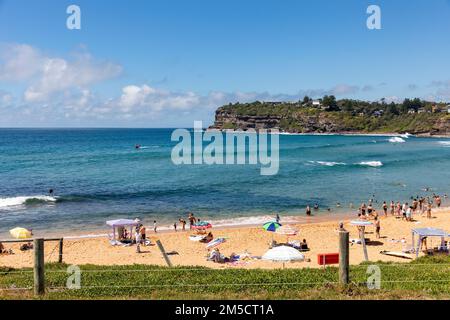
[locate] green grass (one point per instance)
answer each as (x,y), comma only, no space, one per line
(425,278)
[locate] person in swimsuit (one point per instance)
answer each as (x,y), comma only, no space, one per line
(377,227)
(385,208)
(363,209)
(392,208)
(183,224)
(308,210)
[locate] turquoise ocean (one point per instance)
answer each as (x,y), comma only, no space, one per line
(98,175)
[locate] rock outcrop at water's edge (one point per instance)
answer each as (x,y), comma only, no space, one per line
(296,118)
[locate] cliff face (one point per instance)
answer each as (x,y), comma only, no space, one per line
(318,121)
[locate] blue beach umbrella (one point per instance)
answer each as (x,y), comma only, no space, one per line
(271,226)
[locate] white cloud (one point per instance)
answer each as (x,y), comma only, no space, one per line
(46,76)
(154,100)
(19,62)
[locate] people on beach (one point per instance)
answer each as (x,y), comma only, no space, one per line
(155,226)
(429,206)
(316,206)
(377,227)
(208,238)
(362,209)
(191,219)
(183,224)
(308,210)
(277,218)
(304,245)
(26,246)
(392,208)
(175,227)
(385,208)
(142,233)
(438,201)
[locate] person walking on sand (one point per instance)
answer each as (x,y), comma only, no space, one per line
(154,226)
(385,208)
(142,233)
(429,205)
(175,226)
(377,227)
(138,242)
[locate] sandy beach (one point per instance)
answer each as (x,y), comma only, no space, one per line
(322,237)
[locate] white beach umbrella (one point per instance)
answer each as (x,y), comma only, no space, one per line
(283,254)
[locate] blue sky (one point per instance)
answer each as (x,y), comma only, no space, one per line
(167,63)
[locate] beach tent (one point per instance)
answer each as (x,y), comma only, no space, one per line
(427,232)
(121,223)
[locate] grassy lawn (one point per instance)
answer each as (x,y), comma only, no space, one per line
(424,278)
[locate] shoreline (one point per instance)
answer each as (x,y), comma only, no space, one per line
(322,237)
(343,133)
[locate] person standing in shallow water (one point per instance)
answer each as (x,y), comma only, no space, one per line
(277,218)
(308,210)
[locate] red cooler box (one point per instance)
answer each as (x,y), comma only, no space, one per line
(327,258)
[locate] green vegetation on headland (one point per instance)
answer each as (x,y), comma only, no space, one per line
(424,278)
(328,115)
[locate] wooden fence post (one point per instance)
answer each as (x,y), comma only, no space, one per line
(166,257)
(39,278)
(61,243)
(343,256)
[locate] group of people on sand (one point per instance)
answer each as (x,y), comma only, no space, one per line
(192,221)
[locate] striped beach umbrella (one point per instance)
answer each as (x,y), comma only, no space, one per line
(20,233)
(271,226)
(203,225)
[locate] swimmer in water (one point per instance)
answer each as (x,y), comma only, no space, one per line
(50,192)
(138,146)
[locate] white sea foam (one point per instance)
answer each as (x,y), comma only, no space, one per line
(371,163)
(328,163)
(396,140)
(18,201)
(444,143)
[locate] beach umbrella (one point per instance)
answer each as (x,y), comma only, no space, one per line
(203,225)
(283,254)
(361,223)
(216,242)
(20,233)
(271,226)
